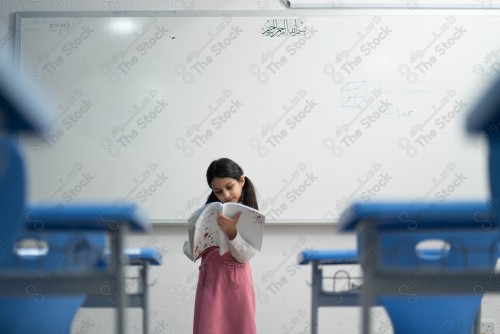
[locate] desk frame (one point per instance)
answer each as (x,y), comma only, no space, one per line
(139,299)
(320,297)
(15,283)
(377,281)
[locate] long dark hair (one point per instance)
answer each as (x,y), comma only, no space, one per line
(225,167)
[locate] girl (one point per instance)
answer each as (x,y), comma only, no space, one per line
(225,300)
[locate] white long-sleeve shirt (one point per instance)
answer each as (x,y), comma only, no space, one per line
(241,250)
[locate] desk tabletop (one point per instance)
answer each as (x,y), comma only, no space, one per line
(328,256)
(397,215)
(138,256)
(88,217)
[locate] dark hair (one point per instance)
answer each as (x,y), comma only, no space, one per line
(225,167)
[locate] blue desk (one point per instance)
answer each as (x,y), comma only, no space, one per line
(143,258)
(350,297)
(114,220)
(321,297)
(24,109)
(388,234)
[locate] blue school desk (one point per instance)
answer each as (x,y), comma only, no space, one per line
(143,258)
(105,278)
(44,298)
(424,293)
(437,291)
(320,296)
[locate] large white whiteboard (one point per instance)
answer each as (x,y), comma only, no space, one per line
(319,108)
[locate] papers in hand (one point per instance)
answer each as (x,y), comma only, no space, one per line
(204,232)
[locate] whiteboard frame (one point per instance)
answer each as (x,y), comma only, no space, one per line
(359,11)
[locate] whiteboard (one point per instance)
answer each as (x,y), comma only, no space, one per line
(319,108)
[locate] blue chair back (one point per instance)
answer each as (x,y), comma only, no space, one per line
(463,251)
(37,311)
(24,109)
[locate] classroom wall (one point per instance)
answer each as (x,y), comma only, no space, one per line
(282,291)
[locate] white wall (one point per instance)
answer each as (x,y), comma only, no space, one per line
(283,295)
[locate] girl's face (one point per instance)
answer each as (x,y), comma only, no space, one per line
(228,189)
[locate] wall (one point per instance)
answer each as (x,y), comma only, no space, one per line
(283,294)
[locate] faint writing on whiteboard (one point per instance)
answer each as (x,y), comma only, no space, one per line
(353,93)
(283,27)
(368,101)
(64,28)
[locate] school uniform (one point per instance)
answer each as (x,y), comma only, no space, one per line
(225,299)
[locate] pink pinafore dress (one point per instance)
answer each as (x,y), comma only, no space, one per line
(225,299)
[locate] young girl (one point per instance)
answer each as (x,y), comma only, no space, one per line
(225,300)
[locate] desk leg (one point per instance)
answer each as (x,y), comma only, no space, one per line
(477,322)
(369,255)
(145,298)
(316,289)
(368,300)
(119,267)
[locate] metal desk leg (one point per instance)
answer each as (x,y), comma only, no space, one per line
(316,289)
(119,266)
(145,297)
(369,255)
(477,322)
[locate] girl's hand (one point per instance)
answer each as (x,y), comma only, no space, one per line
(228,224)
